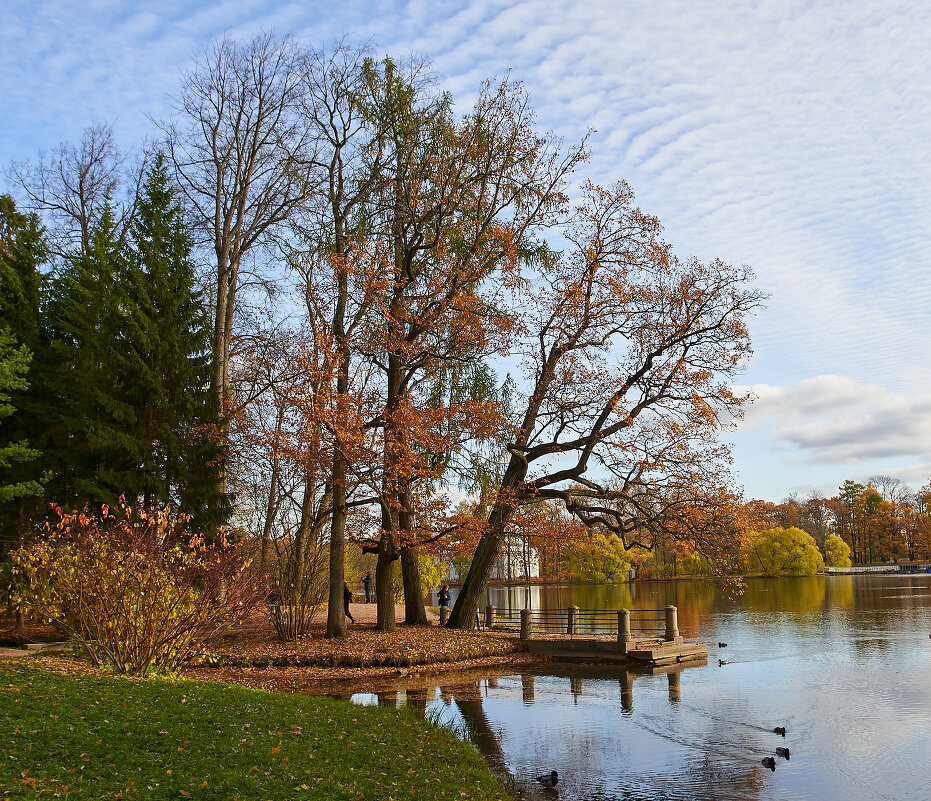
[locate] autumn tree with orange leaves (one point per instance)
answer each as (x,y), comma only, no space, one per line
(627,352)
(461,203)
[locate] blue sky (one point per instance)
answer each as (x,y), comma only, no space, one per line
(792,136)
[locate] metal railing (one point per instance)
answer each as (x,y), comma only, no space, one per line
(572,621)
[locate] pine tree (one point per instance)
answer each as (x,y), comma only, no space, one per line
(166,348)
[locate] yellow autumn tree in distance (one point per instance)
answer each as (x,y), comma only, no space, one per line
(784,551)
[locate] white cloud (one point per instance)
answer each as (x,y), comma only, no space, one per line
(831,419)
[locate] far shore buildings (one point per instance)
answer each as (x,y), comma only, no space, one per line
(517,561)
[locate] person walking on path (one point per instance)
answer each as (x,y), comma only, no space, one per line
(347,597)
(367,583)
(274,604)
(444,596)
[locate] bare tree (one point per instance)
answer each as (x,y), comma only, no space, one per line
(892,489)
(70,186)
(240,155)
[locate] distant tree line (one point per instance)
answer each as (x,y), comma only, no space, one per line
(881,521)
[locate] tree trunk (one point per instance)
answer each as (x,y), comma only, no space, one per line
(483,562)
(271,507)
(298,546)
(336,619)
(414,610)
(384,587)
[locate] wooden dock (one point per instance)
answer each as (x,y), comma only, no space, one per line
(602,635)
(650,652)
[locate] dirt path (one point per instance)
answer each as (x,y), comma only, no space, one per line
(367,613)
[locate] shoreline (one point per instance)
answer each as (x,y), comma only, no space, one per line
(334,680)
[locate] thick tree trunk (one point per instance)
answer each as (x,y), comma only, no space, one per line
(483,562)
(414,610)
(384,588)
(489,546)
(336,619)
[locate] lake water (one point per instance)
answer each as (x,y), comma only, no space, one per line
(842,662)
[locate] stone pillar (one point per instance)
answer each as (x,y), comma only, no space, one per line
(572,626)
(444,615)
(489,616)
(525,624)
(672,624)
(623,629)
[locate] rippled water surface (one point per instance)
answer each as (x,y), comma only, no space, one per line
(843,662)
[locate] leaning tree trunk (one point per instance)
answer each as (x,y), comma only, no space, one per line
(483,562)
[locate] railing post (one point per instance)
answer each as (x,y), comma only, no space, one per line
(525,624)
(572,625)
(444,615)
(623,629)
(489,616)
(672,624)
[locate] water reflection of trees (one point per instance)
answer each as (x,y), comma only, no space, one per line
(468,699)
(799,595)
(720,756)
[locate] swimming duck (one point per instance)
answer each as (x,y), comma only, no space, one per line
(548,779)
(722,645)
(783,752)
(780,730)
(723,662)
(769,762)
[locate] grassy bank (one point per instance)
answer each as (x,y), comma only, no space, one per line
(82,735)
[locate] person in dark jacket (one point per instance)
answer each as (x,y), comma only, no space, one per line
(444,595)
(347,597)
(367,584)
(274,604)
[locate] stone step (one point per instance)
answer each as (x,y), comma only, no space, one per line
(668,653)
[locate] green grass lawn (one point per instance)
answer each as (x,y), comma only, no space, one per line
(98,737)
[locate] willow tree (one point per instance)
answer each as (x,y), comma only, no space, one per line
(627,355)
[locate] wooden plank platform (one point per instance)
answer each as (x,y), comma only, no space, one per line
(652,651)
(669,653)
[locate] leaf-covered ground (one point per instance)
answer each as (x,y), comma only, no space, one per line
(257,645)
(70,732)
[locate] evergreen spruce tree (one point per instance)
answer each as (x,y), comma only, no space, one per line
(90,425)
(22,252)
(166,349)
